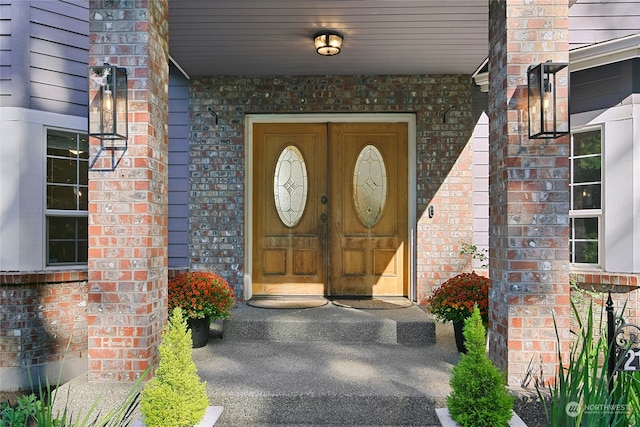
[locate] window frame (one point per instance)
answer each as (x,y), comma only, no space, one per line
(586,213)
(66,213)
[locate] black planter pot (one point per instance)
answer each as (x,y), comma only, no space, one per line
(199,331)
(457,330)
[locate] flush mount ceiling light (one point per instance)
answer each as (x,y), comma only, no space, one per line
(328,43)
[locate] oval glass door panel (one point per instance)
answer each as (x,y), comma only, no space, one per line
(290,186)
(369,185)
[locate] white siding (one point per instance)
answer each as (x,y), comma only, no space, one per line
(23,176)
(621,194)
(480,150)
(595,21)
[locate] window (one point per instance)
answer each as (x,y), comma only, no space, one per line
(586,200)
(67,197)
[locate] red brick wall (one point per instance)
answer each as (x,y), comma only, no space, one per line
(623,287)
(128,207)
(43,321)
(528,192)
(443,177)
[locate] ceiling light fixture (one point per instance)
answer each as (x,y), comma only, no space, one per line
(328,43)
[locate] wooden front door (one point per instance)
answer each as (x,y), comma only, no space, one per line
(330,209)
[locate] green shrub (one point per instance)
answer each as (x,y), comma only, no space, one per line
(18,415)
(582,382)
(46,416)
(479,396)
(175,397)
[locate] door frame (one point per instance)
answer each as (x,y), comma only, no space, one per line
(251,119)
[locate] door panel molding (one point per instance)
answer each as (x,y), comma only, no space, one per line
(300,261)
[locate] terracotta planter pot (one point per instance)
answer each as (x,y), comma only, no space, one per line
(199,331)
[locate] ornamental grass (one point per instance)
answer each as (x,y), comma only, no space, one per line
(454,300)
(201,294)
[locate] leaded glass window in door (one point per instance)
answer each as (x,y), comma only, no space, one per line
(290,186)
(369,185)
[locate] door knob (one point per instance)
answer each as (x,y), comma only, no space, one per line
(324,217)
(324,200)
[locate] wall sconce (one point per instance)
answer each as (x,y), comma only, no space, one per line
(548,112)
(108,108)
(108,114)
(328,43)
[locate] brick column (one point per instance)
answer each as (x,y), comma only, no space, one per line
(528,193)
(128,206)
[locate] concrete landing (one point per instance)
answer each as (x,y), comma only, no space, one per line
(327,366)
(331,323)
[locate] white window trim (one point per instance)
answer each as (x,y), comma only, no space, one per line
(590,213)
(77,213)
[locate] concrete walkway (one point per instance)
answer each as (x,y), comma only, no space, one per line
(262,382)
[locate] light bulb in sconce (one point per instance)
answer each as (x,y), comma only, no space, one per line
(547,94)
(108,99)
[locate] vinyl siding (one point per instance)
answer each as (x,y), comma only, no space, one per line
(45,46)
(178,168)
(596,21)
(480,194)
(603,87)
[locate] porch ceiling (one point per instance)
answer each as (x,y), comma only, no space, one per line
(266,37)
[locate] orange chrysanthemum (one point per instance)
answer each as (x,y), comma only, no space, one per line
(201,294)
(454,299)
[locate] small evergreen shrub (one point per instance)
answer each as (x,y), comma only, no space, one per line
(175,397)
(479,396)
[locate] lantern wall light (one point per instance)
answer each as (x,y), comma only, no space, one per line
(548,96)
(108,111)
(328,43)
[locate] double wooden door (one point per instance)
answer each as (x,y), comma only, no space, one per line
(329,209)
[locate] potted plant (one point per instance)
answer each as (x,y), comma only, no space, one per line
(175,396)
(479,395)
(203,297)
(454,300)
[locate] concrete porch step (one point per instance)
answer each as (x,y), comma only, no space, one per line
(327,366)
(330,323)
(324,383)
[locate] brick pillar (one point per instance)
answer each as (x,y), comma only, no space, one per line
(528,193)
(128,206)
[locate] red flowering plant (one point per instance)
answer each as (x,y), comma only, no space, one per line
(201,294)
(453,301)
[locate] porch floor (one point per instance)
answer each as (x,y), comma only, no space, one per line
(263,377)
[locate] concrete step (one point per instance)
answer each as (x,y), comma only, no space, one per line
(330,323)
(325,383)
(327,366)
